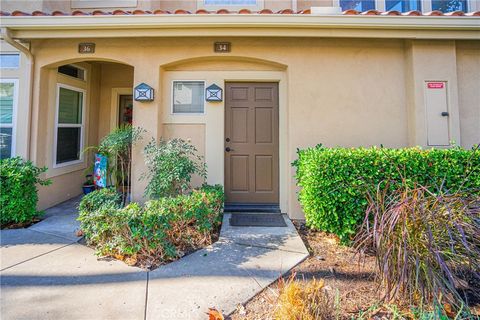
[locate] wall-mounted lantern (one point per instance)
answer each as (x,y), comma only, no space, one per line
(143,92)
(214,93)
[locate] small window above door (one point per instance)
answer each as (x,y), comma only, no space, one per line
(73,71)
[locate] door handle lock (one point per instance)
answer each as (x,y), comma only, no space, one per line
(228,149)
(445,114)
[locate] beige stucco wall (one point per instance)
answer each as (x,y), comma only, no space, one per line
(339,92)
(468,74)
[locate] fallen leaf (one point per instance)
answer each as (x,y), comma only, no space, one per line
(214,314)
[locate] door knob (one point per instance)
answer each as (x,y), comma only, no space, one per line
(228,149)
(445,114)
(228,139)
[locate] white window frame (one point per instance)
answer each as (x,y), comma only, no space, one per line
(187,114)
(13,125)
(381,5)
(78,67)
(95,4)
(12,53)
(66,125)
(201,5)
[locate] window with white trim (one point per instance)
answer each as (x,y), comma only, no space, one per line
(9,60)
(8,107)
(188,97)
(408,5)
(73,71)
(449,5)
(95,4)
(403,5)
(358,5)
(69,125)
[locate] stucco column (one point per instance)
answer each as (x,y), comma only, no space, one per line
(146,115)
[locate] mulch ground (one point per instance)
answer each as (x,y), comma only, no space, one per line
(20,225)
(347,278)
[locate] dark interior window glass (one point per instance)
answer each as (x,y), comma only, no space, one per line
(5,143)
(403,5)
(359,5)
(68,144)
(72,71)
(449,5)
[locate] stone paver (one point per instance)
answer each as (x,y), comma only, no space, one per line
(47,275)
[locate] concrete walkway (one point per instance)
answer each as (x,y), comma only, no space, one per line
(46,274)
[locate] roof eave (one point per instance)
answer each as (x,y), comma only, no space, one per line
(48,27)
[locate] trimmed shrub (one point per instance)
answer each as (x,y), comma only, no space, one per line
(150,235)
(18,190)
(335,182)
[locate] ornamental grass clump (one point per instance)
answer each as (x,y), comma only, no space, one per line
(306,300)
(427,244)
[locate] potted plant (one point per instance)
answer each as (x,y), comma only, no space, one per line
(88,186)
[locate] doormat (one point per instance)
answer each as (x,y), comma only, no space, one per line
(257,220)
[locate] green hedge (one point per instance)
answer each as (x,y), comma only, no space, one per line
(149,235)
(335,182)
(18,190)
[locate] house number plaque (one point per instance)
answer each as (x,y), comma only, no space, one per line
(86,48)
(222,47)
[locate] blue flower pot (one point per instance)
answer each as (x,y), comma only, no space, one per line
(88,189)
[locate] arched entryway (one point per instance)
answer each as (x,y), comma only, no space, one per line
(79,103)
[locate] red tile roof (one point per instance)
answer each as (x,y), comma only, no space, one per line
(18,13)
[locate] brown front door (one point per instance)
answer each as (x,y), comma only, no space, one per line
(251,143)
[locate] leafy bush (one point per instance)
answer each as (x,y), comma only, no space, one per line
(171,164)
(150,235)
(117,147)
(19,194)
(335,181)
(306,300)
(427,245)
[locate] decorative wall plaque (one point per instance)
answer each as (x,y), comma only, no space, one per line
(222,47)
(214,93)
(143,92)
(86,48)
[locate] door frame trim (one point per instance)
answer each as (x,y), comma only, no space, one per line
(115,99)
(276,148)
(283,167)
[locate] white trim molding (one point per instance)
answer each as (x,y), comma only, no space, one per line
(114,106)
